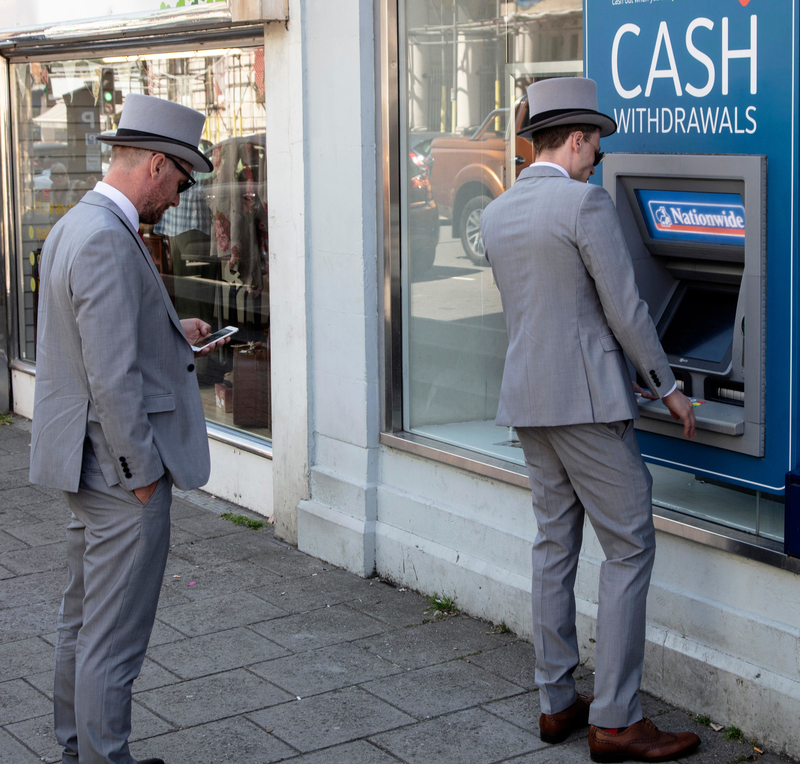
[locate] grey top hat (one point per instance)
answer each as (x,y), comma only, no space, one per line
(565,101)
(163,126)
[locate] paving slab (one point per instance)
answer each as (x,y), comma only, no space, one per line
(182,508)
(10,543)
(162,634)
(331,587)
(12,750)
(435,642)
(212,653)
(42,681)
(576,752)
(207,525)
(18,460)
(30,589)
(11,516)
(467,737)
(224,578)
(152,675)
(522,710)
(36,559)
(37,734)
(211,698)
(145,724)
(20,701)
(392,605)
(324,669)
(318,628)
(359,752)
(39,533)
(28,656)
(515,662)
(235,740)
(287,562)
(441,689)
(218,613)
(231,546)
(326,720)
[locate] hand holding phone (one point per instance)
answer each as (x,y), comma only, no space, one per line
(210,339)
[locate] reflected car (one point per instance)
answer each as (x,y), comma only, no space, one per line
(468,171)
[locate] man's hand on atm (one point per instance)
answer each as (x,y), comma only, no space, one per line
(646,394)
(681,408)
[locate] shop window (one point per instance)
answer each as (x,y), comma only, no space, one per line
(212,250)
(467,65)
(464,99)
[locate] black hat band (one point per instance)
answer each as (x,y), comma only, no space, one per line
(125,132)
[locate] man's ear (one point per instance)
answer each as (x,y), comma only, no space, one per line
(157,165)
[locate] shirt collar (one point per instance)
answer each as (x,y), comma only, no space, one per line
(122,201)
(553,165)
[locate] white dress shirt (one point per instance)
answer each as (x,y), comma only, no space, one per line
(122,201)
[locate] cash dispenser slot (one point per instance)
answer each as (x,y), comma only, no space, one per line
(699,259)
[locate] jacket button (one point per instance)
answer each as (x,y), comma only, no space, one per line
(128,474)
(190,367)
(122,459)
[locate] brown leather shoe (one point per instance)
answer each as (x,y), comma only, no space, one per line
(642,741)
(555,728)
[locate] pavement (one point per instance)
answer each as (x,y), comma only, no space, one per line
(261,654)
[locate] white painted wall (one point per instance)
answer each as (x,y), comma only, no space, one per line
(241,477)
(22,386)
(337,522)
(285,96)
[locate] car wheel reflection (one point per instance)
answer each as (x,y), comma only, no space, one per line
(471,238)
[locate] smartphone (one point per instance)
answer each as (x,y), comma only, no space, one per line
(210,339)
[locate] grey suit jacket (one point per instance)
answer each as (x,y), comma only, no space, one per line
(112,361)
(571,305)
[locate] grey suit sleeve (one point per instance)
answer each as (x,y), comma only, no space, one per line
(105,293)
(604,253)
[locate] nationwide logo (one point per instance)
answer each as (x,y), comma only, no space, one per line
(706,219)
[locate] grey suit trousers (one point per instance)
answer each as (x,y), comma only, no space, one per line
(116,554)
(596,469)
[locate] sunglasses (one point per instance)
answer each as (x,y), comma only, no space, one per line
(598,157)
(186,184)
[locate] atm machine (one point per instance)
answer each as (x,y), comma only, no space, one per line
(705,172)
(694,227)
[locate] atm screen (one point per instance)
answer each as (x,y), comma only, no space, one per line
(700,330)
(696,217)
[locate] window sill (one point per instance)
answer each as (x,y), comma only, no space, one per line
(240,440)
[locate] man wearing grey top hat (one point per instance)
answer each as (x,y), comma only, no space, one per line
(117,420)
(572,308)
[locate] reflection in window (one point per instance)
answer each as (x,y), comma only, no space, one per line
(469,64)
(212,250)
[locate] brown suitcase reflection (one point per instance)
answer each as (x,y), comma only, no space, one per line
(252,397)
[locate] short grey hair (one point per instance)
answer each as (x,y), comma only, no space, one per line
(128,157)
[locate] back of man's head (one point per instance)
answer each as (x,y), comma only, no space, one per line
(128,157)
(552,138)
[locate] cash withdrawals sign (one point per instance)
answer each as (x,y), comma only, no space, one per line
(715,77)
